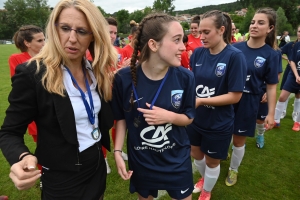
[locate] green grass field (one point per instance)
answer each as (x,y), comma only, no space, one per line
(265,174)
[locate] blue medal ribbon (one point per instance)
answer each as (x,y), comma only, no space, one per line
(156,95)
(89,110)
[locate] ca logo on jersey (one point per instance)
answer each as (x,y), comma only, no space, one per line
(220,69)
(259,62)
(176,98)
(157,140)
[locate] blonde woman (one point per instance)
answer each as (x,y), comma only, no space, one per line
(68,98)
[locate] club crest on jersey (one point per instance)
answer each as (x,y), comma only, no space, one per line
(220,69)
(259,61)
(176,98)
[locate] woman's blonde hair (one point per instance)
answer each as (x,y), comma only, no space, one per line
(103,53)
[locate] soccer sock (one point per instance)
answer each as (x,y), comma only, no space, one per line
(278,111)
(200,165)
(260,129)
(211,177)
(286,104)
(237,157)
(297,105)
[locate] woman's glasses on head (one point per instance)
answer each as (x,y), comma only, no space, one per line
(65,29)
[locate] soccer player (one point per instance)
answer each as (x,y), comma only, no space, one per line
(128,49)
(154,101)
(194,40)
(262,62)
(220,74)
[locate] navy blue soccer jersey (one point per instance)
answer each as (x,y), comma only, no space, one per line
(296,56)
(158,155)
(217,75)
(287,49)
(262,66)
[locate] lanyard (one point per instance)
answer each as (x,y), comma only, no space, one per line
(89,110)
(156,95)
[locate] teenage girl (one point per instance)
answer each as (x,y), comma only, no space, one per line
(262,62)
(29,39)
(127,51)
(153,100)
(290,86)
(194,40)
(287,50)
(220,75)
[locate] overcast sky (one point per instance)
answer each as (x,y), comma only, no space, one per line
(111,6)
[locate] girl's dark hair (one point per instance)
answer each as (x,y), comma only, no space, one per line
(271,37)
(221,19)
(185,38)
(196,20)
(153,26)
(134,27)
(25,33)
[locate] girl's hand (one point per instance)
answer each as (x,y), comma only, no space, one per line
(122,167)
(155,116)
(298,79)
(264,98)
(126,62)
(269,122)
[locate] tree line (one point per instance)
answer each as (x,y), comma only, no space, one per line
(36,12)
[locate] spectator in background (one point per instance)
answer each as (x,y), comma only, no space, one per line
(185,56)
(128,49)
(123,42)
(29,39)
(285,38)
(117,41)
(194,38)
(237,34)
(233,40)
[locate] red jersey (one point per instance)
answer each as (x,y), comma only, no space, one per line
(185,61)
(193,43)
(127,51)
(14,60)
(233,40)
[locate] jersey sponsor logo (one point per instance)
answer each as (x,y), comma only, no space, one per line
(242,131)
(259,62)
(184,191)
(176,98)
(298,65)
(198,65)
(155,138)
(210,152)
(220,69)
(205,93)
(190,42)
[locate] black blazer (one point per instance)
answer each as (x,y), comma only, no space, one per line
(57,144)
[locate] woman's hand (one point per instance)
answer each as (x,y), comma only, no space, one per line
(121,166)
(269,122)
(23,173)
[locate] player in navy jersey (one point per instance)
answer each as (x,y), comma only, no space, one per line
(220,75)
(263,107)
(261,59)
(154,102)
(290,86)
(287,50)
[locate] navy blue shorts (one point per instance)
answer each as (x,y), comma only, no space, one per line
(285,75)
(262,110)
(175,194)
(245,115)
(217,149)
(291,85)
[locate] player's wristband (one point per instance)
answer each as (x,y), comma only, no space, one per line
(25,154)
(118,151)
